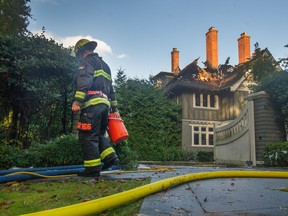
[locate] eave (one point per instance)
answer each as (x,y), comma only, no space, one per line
(189,82)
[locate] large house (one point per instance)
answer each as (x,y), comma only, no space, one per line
(209,96)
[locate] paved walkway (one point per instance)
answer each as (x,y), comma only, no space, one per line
(215,197)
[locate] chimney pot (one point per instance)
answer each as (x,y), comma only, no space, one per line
(212,47)
(175,61)
(244,48)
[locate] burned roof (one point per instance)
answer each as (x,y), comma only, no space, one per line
(163,73)
(209,79)
(195,77)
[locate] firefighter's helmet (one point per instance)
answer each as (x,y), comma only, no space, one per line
(84,44)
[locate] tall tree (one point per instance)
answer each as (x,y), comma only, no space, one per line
(263,64)
(275,83)
(284,61)
(14,15)
(153,122)
(277,88)
(36,76)
(121,78)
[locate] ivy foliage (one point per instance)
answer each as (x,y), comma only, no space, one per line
(14,15)
(276,154)
(276,87)
(153,121)
(274,82)
(36,78)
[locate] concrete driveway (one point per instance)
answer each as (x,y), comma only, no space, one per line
(217,197)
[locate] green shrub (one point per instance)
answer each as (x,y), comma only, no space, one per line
(12,156)
(203,156)
(61,151)
(128,158)
(176,153)
(276,154)
(64,150)
(163,153)
(185,156)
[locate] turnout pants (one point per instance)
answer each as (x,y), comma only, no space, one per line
(96,148)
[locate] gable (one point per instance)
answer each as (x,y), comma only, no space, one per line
(197,78)
(225,77)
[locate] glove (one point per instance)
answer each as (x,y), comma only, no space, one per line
(116,114)
(76,106)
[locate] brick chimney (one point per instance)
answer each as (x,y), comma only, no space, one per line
(244,48)
(212,48)
(175,61)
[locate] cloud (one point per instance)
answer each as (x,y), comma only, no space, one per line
(46,1)
(102,48)
(123,56)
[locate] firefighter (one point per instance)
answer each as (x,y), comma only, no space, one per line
(94,99)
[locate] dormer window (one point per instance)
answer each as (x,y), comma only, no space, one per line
(159,83)
(203,100)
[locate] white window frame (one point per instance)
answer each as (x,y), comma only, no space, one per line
(200,132)
(208,101)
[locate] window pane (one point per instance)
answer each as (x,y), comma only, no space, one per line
(203,139)
(197,99)
(203,128)
(212,101)
(205,101)
(196,128)
(211,139)
(196,139)
(210,129)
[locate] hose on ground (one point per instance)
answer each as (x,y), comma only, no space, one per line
(116,200)
(62,173)
(40,175)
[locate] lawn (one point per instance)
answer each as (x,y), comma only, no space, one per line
(31,196)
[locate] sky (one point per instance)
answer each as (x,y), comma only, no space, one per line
(138,36)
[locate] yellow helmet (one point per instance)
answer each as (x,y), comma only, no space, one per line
(84,44)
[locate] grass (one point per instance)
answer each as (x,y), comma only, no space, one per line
(31,196)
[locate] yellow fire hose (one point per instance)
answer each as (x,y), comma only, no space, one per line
(159,169)
(116,200)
